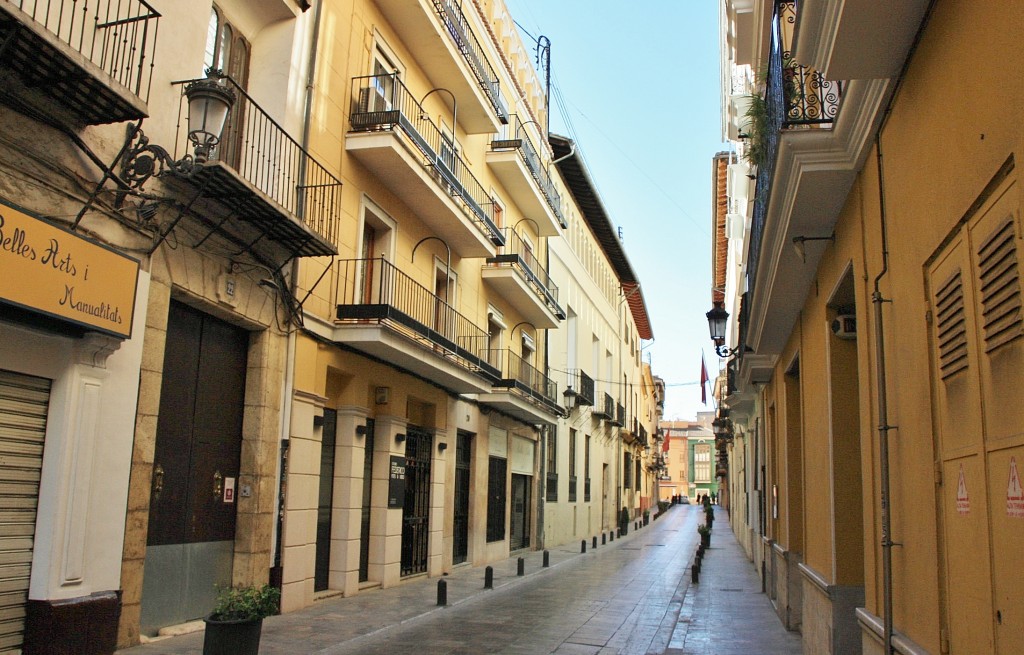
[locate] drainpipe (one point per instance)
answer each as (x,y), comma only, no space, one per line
(883,404)
(883,414)
(289,379)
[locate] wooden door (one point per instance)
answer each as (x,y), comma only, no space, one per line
(189,548)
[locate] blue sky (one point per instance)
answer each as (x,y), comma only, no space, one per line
(639,85)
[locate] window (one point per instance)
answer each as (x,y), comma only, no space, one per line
(228,51)
(702,463)
(529,347)
(496,496)
(495,330)
(572,465)
(572,453)
(627,471)
(498,212)
(586,469)
(552,466)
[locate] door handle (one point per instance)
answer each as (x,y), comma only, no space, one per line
(218,484)
(158,481)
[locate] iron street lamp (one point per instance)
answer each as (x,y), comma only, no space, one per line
(209,103)
(717,318)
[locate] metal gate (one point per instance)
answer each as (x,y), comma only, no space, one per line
(23,404)
(364,527)
(325,506)
(416,509)
(460,536)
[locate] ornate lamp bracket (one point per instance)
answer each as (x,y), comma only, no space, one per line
(143,160)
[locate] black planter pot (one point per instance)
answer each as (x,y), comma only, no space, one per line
(232,637)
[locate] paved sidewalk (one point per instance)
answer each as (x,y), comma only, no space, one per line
(726,613)
(630,596)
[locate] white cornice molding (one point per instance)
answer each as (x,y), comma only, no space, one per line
(839,154)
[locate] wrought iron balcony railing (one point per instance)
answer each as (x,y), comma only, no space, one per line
(519,256)
(795,97)
(620,415)
(521,142)
(376,290)
(581,386)
(271,161)
(605,407)
(382,102)
(586,490)
(642,435)
(117,36)
(517,373)
(462,36)
(572,488)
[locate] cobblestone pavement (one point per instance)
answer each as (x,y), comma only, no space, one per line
(629,596)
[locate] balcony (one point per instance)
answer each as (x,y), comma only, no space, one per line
(516,274)
(439,37)
(551,488)
(605,407)
(385,314)
(572,488)
(395,139)
(517,163)
(90,60)
(857,40)
(586,490)
(580,387)
(815,137)
(620,416)
(279,202)
(522,391)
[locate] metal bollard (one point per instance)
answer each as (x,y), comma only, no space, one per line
(611,536)
(594,543)
(695,575)
(442,593)
(547,559)
(520,566)
(489,578)
(583,546)
(603,536)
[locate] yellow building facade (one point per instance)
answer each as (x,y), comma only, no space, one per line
(429,400)
(878,331)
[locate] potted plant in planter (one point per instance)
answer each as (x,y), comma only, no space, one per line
(705,535)
(647,516)
(234,626)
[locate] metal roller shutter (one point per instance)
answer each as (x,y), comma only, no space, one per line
(23,405)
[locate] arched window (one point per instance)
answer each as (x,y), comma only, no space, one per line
(226,49)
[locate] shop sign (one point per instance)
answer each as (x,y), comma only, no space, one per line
(50,270)
(396,482)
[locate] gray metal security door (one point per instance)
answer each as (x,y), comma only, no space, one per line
(23,405)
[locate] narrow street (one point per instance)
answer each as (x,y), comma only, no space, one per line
(629,596)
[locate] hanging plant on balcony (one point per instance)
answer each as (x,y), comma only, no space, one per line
(756,149)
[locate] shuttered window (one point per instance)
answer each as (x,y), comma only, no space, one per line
(23,404)
(1000,287)
(951,326)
